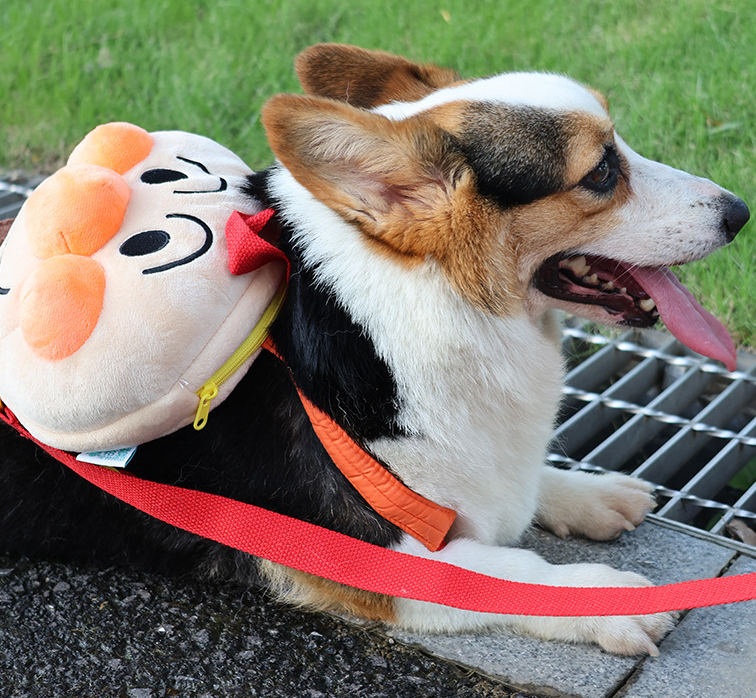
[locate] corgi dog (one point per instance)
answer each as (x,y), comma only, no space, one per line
(433,226)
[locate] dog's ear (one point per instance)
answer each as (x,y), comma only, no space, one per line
(405,184)
(367,167)
(367,78)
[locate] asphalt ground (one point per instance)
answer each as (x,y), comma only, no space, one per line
(76,632)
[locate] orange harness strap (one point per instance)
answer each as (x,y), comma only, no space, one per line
(423,519)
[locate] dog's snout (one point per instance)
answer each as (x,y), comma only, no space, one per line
(734,216)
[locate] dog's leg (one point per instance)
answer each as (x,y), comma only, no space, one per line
(628,635)
(592,505)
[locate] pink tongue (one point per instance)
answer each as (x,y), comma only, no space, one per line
(695,327)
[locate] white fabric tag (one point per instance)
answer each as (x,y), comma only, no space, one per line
(113,459)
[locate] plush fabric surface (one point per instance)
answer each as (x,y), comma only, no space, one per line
(116,298)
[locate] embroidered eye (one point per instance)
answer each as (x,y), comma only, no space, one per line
(160,175)
(603,177)
(143,243)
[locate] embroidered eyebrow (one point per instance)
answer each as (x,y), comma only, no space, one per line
(223,183)
(162,175)
(194,162)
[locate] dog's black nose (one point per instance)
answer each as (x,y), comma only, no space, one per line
(734,216)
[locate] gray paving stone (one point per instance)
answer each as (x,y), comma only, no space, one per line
(560,669)
(711,654)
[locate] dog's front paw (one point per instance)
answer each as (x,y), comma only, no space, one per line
(596,506)
(632,635)
(628,635)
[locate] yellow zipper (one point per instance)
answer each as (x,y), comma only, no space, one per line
(249,346)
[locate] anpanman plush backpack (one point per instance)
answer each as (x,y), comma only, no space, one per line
(131,285)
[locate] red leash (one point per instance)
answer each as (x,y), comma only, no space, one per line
(325,553)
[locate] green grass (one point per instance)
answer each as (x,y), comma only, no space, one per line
(680,75)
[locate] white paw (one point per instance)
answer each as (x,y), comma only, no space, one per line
(596,506)
(628,635)
(619,634)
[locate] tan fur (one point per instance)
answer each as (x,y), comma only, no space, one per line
(318,594)
(413,194)
(603,101)
(588,136)
(367,78)
(561,221)
(449,117)
(401,184)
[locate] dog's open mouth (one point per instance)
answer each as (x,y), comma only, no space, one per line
(638,297)
(598,281)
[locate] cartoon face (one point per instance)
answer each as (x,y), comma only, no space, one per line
(116,299)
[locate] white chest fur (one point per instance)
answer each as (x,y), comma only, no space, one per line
(477,393)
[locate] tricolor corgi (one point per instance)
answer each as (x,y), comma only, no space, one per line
(433,226)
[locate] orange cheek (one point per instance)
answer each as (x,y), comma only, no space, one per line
(61,302)
(77,210)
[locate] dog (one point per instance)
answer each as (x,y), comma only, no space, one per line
(434,228)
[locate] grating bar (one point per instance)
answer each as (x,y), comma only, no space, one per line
(636,433)
(746,502)
(648,406)
(12,197)
(694,437)
(637,380)
(713,476)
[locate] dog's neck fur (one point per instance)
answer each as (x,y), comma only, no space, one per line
(451,449)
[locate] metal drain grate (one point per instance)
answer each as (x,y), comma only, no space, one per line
(13,194)
(644,405)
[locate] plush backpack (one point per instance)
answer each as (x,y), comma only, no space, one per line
(131,284)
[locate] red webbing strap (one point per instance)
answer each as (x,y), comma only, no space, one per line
(324,553)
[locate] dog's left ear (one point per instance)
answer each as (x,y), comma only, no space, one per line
(367,78)
(375,172)
(404,183)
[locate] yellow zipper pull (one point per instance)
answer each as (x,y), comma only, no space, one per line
(248,347)
(206,393)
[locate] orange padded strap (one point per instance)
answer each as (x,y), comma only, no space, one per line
(423,519)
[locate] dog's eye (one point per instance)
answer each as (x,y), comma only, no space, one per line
(604,176)
(600,174)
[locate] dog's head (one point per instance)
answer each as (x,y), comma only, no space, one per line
(517,186)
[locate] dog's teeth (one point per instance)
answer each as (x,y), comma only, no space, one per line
(591,280)
(608,286)
(647,304)
(577,265)
(623,289)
